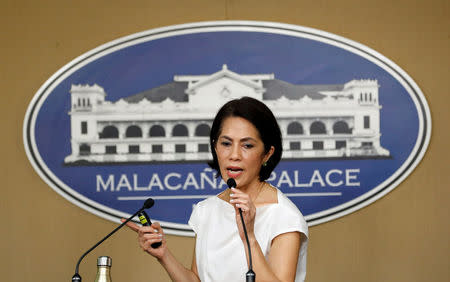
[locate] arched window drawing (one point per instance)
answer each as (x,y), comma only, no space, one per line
(202,130)
(109,131)
(318,127)
(85,149)
(294,128)
(157,131)
(180,130)
(341,127)
(133,131)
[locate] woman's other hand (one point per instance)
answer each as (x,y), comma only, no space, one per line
(147,235)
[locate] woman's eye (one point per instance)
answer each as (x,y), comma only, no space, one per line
(248,146)
(225,143)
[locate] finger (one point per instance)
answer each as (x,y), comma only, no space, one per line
(148,243)
(146,230)
(151,235)
(157,227)
(243,203)
(237,192)
(243,207)
(152,238)
(131,225)
(240,201)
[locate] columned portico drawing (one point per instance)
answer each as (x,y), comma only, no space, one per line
(316,121)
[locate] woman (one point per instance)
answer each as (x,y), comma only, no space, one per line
(246,146)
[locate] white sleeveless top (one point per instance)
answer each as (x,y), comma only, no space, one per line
(220,252)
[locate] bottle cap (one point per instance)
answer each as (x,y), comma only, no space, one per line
(104,261)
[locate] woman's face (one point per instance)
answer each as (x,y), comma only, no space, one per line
(240,151)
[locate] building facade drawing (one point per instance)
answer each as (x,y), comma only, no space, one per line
(172,122)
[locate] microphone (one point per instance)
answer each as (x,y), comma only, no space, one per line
(231,183)
(147,204)
(250,275)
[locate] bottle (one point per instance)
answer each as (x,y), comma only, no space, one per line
(103,269)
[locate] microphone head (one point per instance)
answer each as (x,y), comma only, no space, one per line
(148,203)
(231,183)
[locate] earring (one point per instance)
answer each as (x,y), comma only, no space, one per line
(264,164)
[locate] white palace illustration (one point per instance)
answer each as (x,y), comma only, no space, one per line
(172,122)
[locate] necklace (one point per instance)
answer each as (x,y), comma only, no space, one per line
(263,183)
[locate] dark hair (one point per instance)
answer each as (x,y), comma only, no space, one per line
(258,114)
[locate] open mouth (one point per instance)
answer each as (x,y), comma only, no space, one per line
(234,171)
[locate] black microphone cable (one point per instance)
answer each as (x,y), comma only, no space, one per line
(250,276)
(147,204)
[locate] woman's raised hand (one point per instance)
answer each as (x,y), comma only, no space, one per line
(148,235)
(241,200)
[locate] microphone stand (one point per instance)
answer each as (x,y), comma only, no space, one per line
(76,277)
(250,276)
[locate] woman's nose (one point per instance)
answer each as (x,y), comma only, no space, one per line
(235,152)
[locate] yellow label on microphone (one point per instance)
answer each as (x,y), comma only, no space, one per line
(142,219)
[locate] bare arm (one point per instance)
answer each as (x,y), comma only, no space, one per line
(177,271)
(282,260)
(148,235)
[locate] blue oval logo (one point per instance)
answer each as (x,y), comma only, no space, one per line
(130,119)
